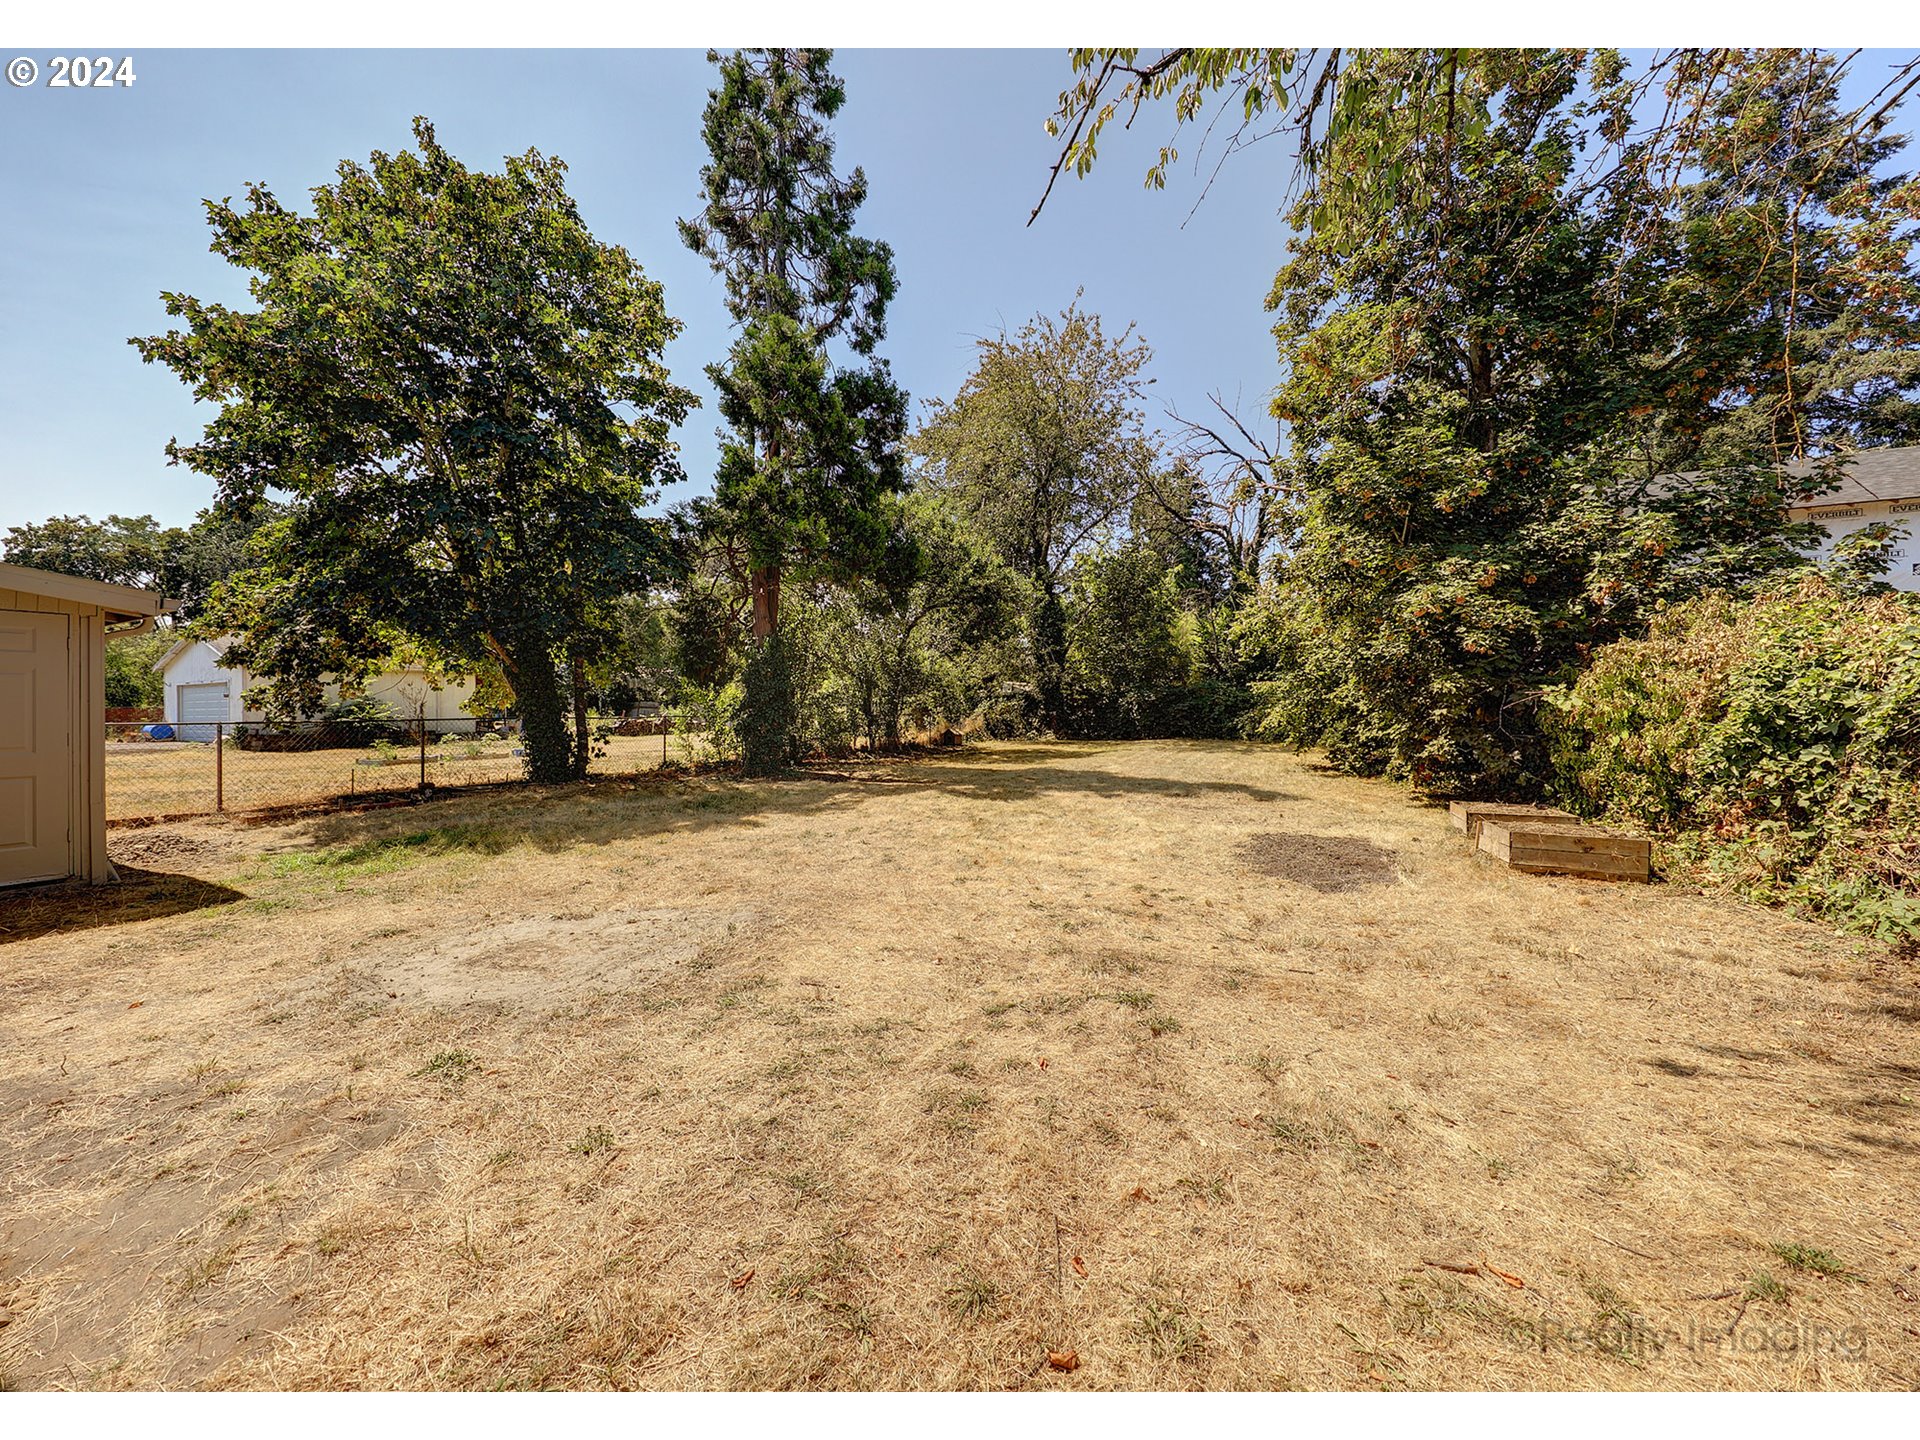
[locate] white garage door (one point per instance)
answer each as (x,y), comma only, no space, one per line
(204,703)
(36,748)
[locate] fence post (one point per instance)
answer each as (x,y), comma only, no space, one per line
(219,768)
(423,752)
(666,724)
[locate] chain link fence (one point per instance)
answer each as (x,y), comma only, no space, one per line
(158,770)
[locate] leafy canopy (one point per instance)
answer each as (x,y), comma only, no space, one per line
(461,392)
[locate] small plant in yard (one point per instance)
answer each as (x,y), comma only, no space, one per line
(1617,1328)
(1267,1067)
(453,1066)
(1211,1189)
(802,1182)
(1764,1287)
(1289,1130)
(594,1141)
(1169,1332)
(971,1296)
(1813,1261)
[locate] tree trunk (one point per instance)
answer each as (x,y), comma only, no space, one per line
(1480,392)
(1050,659)
(765,583)
(581,738)
(543,719)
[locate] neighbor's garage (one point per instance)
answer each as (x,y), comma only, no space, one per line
(53,629)
(200,708)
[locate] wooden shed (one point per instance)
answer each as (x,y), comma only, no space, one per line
(53,651)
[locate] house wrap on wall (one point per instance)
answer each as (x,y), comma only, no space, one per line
(202,690)
(1880,486)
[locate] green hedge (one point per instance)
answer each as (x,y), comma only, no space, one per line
(1773,742)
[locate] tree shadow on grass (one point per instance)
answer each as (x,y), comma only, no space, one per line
(140,895)
(607,810)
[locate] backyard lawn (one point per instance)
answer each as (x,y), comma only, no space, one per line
(1187,1064)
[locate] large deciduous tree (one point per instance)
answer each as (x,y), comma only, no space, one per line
(1043,448)
(120,550)
(461,393)
(812,449)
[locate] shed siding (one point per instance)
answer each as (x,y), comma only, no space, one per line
(86,672)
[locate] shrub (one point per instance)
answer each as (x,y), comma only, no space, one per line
(356,723)
(1776,740)
(709,717)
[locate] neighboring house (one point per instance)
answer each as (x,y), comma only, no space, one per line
(53,763)
(1880,485)
(203,690)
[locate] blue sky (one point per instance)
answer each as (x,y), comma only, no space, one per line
(102,212)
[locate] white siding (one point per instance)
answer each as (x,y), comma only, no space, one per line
(410,693)
(199,664)
(406,691)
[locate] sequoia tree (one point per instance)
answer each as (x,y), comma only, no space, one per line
(811,453)
(460,393)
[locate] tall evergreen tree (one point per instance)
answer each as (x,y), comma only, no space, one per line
(812,450)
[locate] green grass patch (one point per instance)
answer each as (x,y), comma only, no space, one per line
(452,1066)
(1810,1260)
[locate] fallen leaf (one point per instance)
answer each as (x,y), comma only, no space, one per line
(739,1282)
(1064,1359)
(1079,1267)
(136,1005)
(1456,1269)
(1514,1280)
(1140,1193)
(1043,1064)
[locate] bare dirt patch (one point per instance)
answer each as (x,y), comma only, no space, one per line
(539,960)
(160,846)
(701,1083)
(1331,864)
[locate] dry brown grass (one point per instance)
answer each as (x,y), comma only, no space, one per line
(846,1082)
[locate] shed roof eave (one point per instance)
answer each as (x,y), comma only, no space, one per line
(121,602)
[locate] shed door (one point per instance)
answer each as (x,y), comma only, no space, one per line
(36,748)
(204,703)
